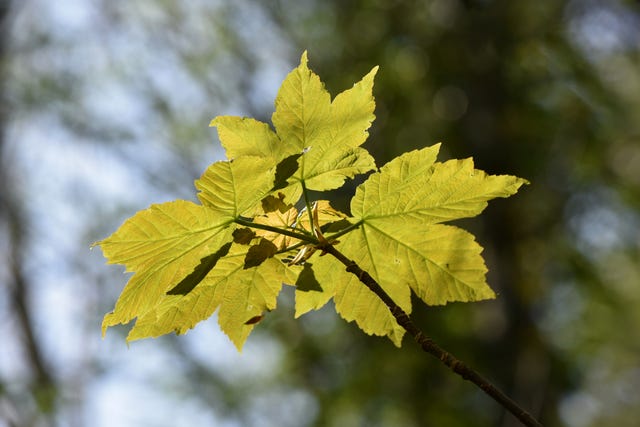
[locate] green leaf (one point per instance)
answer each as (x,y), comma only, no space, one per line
(400,242)
(400,209)
(240,294)
(162,245)
(236,187)
(257,254)
(323,136)
(281,218)
(173,245)
(190,260)
(241,136)
(329,133)
(439,263)
(322,279)
(207,264)
(414,188)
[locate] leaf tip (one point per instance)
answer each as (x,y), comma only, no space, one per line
(106,324)
(523,181)
(371,74)
(239,340)
(396,340)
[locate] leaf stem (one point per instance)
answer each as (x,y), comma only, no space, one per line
(345,230)
(299,236)
(291,248)
(429,346)
(307,203)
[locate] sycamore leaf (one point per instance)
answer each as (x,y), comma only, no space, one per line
(317,141)
(176,243)
(400,209)
(236,187)
(287,217)
(162,245)
(329,133)
(190,260)
(324,215)
(240,293)
(353,300)
(282,219)
(414,188)
(321,280)
(402,245)
(440,263)
(242,136)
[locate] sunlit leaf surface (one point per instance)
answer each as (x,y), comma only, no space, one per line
(233,252)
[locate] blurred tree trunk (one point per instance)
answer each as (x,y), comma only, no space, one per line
(14,226)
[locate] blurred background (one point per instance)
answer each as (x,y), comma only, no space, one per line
(104,109)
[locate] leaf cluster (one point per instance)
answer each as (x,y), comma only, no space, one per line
(256,229)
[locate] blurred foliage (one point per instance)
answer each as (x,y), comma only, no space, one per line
(544,90)
(549,91)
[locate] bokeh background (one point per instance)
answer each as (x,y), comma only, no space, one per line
(104,109)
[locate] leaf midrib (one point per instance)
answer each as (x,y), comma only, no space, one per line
(414,251)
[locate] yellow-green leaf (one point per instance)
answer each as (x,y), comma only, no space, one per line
(166,243)
(317,141)
(323,279)
(249,137)
(414,188)
(162,245)
(400,242)
(276,218)
(240,294)
(441,263)
(399,210)
(241,136)
(329,133)
(236,187)
(190,260)
(303,109)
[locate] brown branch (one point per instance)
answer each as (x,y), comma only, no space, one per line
(429,346)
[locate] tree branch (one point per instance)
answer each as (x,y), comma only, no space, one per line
(299,236)
(429,346)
